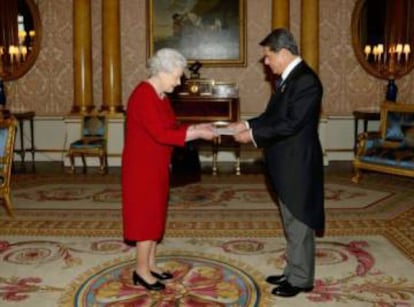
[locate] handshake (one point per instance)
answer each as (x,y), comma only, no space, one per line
(209,131)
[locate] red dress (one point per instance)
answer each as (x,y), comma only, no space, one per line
(151,134)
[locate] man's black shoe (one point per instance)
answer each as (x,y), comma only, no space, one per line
(276,279)
(287,290)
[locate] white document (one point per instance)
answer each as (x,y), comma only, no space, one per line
(224,131)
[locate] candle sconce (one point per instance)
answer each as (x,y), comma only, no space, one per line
(20,35)
(390,61)
(383,37)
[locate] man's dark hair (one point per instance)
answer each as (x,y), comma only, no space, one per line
(280,38)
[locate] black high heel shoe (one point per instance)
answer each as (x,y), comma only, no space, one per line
(162,276)
(156,286)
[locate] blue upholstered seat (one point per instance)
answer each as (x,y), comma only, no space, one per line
(391,150)
(93,142)
(397,157)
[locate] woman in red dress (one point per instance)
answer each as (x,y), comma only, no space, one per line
(151,134)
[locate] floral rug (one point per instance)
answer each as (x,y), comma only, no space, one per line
(96,271)
(65,248)
(205,196)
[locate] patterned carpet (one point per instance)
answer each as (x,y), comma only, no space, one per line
(64,248)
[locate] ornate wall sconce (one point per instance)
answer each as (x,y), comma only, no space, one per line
(383,38)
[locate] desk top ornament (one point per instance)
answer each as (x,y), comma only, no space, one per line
(194,68)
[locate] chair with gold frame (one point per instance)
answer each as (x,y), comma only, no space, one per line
(391,149)
(7,137)
(92,143)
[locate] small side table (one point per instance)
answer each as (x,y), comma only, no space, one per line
(21,117)
(226,141)
(365,114)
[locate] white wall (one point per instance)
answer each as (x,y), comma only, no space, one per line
(53,134)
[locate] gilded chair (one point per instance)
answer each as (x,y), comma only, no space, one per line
(7,137)
(92,143)
(391,149)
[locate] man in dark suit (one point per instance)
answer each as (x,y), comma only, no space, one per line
(288,133)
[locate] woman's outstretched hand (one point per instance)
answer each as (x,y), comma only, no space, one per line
(205,131)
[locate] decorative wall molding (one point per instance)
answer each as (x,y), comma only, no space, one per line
(53,134)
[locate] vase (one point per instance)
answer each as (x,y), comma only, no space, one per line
(392,91)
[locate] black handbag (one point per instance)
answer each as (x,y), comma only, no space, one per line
(185,165)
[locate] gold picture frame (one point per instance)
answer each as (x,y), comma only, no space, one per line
(211,32)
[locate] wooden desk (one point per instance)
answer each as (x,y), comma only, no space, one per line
(365,114)
(197,109)
(21,117)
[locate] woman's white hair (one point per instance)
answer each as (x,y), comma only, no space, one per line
(166,60)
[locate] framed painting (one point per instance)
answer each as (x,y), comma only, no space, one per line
(212,32)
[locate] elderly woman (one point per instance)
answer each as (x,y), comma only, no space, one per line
(151,134)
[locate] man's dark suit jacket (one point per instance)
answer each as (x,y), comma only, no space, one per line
(288,133)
